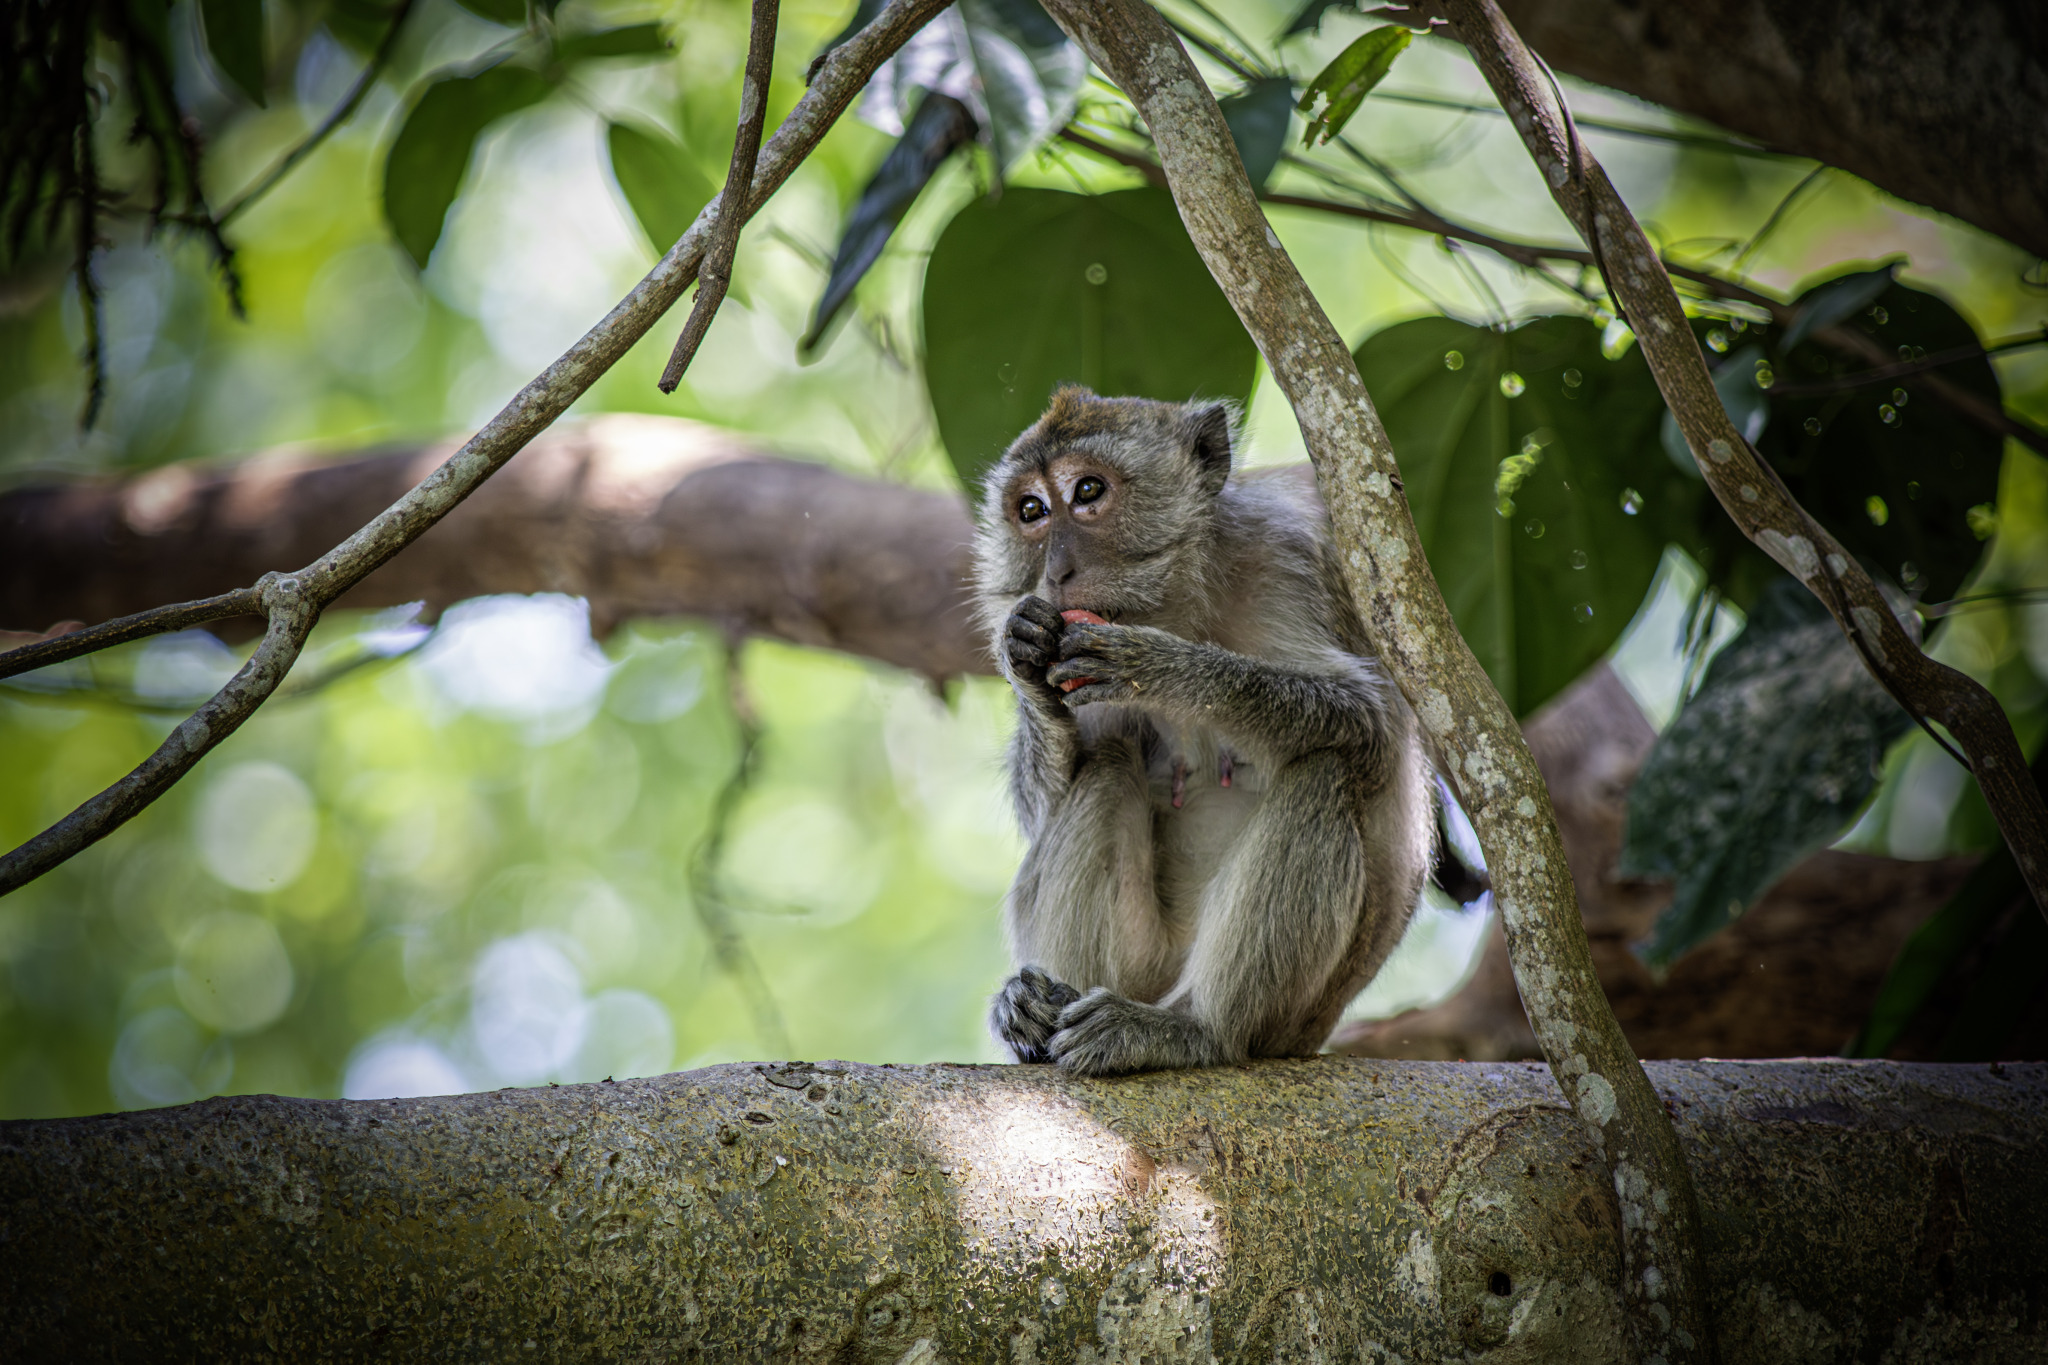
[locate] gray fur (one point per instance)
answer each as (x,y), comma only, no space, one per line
(1163,918)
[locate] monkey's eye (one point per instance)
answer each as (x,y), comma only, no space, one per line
(1030,510)
(1089,489)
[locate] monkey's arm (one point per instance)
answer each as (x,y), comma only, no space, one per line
(1282,710)
(1046,748)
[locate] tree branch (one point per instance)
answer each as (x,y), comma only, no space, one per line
(716,275)
(1748,488)
(1480,746)
(643,516)
(1321,1210)
(295,601)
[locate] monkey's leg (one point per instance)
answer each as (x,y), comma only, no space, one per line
(1083,909)
(1276,923)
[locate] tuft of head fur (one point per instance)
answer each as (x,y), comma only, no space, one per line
(1170,461)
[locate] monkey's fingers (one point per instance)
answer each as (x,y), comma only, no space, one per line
(1023,654)
(1040,613)
(1023,628)
(1081,670)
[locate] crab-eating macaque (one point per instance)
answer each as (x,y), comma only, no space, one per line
(1228,805)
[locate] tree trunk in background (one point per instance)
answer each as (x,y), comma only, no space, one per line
(1940,104)
(649,516)
(1299,1211)
(643,516)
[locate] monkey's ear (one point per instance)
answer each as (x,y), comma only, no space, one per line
(1208,430)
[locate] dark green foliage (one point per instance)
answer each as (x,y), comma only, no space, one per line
(427,161)
(941,126)
(511,13)
(1839,445)
(660,182)
(1523,501)
(235,41)
(1259,116)
(633,40)
(1041,288)
(1766,764)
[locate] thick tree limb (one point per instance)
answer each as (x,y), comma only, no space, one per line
(1480,746)
(1754,496)
(644,516)
(1303,1211)
(294,601)
(1939,104)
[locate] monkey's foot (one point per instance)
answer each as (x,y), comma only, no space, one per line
(1106,1035)
(1026,1011)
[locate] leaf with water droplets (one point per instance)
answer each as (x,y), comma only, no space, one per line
(1769,761)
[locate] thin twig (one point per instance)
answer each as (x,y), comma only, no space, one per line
(1777,215)
(143,624)
(714,915)
(1842,340)
(1641,131)
(1755,497)
(715,277)
(1858,378)
(294,602)
(340,114)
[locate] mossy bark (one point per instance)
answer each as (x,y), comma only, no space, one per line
(1327,1210)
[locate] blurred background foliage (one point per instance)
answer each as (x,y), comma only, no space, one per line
(477,855)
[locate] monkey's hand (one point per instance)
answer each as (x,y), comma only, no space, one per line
(1031,644)
(1026,1011)
(1105,662)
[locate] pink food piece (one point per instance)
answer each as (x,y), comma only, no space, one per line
(1079,614)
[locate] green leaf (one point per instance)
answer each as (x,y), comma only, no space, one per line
(235,41)
(424,169)
(1513,494)
(634,40)
(659,181)
(1042,287)
(1345,82)
(1258,116)
(511,13)
(1029,75)
(1894,481)
(940,126)
(1767,762)
(1827,304)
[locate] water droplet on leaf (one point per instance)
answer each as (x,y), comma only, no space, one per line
(1582,613)
(1813,426)
(1454,360)
(1572,378)
(1888,414)
(1879,316)
(1631,501)
(1578,559)
(1874,508)
(1899,398)
(1511,384)
(1097,273)
(1534,528)
(1717,340)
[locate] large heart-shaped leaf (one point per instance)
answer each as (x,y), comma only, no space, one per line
(1532,467)
(424,169)
(659,181)
(1767,762)
(1042,287)
(235,41)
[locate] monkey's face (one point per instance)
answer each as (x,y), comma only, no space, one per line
(1088,508)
